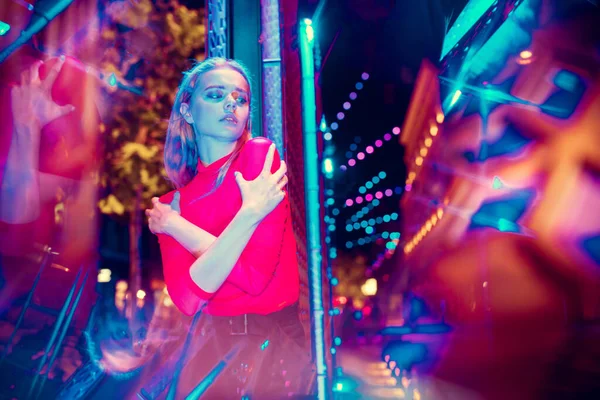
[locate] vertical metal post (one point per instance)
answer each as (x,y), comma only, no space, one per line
(217,28)
(271,73)
(313,220)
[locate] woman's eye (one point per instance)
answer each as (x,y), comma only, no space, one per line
(242,100)
(215,95)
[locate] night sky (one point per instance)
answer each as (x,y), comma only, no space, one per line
(387,39)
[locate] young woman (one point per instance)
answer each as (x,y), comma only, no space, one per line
(225,234)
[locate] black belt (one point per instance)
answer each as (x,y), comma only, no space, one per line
(252,324)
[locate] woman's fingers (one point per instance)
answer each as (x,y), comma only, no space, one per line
(49,81)
(277,175)
(35,72)
(282,182)
(269,160)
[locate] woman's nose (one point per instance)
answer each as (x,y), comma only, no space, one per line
(231,102)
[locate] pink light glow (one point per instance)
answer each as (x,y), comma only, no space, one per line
(378,143)
(379,195)
(407,188)
(349,202)
(370,149)
(387,137)
(340,115)
(360,156)
(396,130)
(352,162)
(388,192)
(369,197)
(359,200)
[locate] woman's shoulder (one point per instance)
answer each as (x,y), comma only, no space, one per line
(257,146)
(252,157)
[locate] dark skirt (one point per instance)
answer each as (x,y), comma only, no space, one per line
(258,356)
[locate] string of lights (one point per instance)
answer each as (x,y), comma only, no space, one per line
(369,149)
(372,182)
(372,222)
(425,229)
(394,236)
(347,104)
(380,194)
(424,151)
(364,211)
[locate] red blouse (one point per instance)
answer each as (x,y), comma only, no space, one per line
(265,277)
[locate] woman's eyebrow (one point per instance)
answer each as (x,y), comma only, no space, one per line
(223,87)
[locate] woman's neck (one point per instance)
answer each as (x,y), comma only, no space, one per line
(211,150)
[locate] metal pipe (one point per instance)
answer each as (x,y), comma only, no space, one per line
(44,12)
(313,221)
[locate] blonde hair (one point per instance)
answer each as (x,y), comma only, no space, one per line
(181,153)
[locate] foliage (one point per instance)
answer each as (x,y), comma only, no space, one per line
(147,44)
(350,272)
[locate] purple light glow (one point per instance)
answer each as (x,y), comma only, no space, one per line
(347,105)
(387,137)
(340,115)
(343,167)
(364,76)
(353,95)
(388,192)
(378,143)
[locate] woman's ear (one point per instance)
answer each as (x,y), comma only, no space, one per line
(184,109)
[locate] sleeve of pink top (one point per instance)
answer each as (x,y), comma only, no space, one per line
(259,260)
(176,260)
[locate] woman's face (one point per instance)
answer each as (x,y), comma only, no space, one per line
(220,105)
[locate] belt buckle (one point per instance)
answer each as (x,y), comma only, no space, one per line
(234,331)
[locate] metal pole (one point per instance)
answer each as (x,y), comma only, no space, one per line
(313,222)
(44,12)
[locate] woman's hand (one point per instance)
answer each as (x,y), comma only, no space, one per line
(263,194)
(161,214)
(32,101)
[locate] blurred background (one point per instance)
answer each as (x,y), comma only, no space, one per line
(454,242)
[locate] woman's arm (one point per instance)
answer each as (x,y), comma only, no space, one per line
(19,194)
(23,186)
(195,239)
(166,219)
(213,267)
(245,254)
(259,198)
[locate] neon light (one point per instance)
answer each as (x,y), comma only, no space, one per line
(328,165)
(313,219)
(474,10)
(455,97)
(4,28)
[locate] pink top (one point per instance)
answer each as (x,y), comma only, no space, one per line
(265,278)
